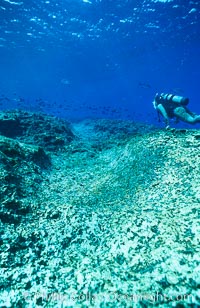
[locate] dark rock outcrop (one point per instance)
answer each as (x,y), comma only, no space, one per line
(21,168)
(35,128)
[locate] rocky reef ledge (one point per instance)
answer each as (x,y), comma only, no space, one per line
(98,213)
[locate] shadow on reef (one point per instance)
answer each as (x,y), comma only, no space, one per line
(24,138)
(35,128)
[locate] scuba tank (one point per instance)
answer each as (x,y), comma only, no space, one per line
(165,98)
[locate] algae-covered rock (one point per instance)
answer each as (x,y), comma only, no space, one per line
(21,168)
(35,128)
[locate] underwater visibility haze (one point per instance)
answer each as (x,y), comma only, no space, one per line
(98,58)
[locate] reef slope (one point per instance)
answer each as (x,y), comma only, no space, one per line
(109,217)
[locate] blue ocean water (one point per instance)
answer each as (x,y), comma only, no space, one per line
(98,58)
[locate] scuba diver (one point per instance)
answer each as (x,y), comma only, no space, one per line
(174,106)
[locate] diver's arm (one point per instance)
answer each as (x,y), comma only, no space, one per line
(164,114)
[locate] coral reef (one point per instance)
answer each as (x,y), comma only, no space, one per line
(35,128)
(108,218)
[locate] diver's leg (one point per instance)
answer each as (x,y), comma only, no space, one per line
(197,119)
(183,115)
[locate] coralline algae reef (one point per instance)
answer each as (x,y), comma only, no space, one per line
(100,213)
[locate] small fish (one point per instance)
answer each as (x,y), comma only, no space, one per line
(177,91)
(65,82)
(144,85)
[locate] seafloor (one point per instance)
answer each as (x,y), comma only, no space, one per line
(98,213)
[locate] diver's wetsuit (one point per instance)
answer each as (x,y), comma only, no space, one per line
(179,112)
(174,109)
(169,107)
